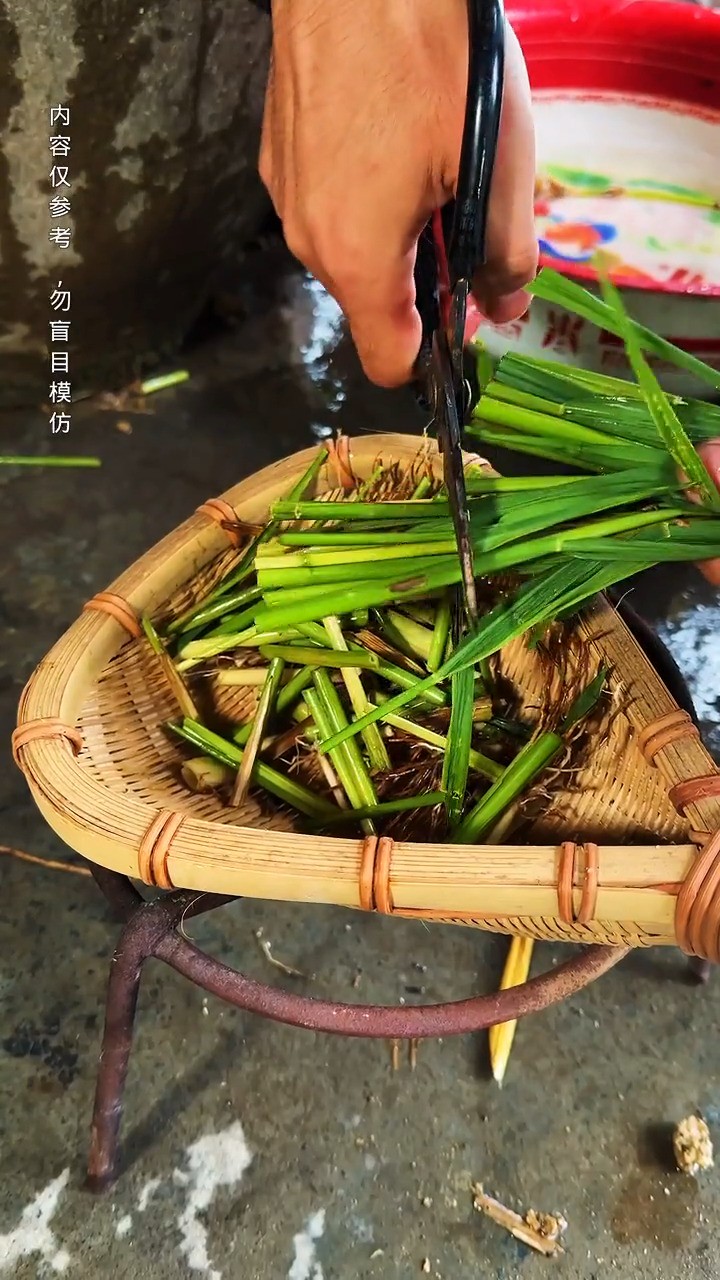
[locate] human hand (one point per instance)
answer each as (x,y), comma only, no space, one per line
(710,454)
(361,142)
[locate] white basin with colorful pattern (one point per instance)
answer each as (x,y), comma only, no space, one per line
(627,117)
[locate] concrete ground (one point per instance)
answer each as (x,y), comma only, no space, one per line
(253,1151)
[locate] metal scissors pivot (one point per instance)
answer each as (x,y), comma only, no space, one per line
(450,250)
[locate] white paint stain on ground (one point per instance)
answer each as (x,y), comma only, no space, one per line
(305,1265)
(33,1234)
(124,1225)
(148,1190)
(213,1161)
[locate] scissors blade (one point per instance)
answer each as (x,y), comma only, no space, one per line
(450,441)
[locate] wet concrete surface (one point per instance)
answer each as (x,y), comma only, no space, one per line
(253,1151)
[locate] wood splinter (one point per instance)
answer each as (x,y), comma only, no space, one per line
(539,1231)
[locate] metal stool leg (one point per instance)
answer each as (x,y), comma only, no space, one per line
(146,926)
(120,1006)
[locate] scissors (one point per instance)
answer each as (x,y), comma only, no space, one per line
(450,250)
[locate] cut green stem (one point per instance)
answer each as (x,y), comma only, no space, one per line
(287,697)
(480,763)
(527,766)
(374,745)
(275,783)
(22,460)
(387,807)
(441,633)
(260,723)
(348,764)
(410,637)
(246,564)
(307,656)
(555,288)
(456,762)
(670,428)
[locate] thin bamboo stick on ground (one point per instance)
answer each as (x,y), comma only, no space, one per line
(501,1036)
(50,864)
(541,1232)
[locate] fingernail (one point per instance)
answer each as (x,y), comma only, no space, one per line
(508,307)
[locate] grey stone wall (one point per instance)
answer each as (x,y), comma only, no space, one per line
(165,103)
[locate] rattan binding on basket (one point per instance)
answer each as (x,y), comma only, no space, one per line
(115,607)
(40,730)
(381,876)
(567,877)
(366,892)
(222,513)
(697,911)
(155,847)
(695,790)
(667,729)
(374,880)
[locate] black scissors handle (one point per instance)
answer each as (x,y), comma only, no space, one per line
(465,218)
(486,67)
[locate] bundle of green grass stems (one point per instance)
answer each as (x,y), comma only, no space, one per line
(374,708)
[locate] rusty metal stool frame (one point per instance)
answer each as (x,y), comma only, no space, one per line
(150,930)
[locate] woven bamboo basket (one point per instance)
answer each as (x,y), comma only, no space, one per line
(629,855)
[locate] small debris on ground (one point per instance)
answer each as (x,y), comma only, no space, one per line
(539,1231)
(132,398)
(692,1145)
(266,947)
(548,1225)
(163,382)
(124,426)
(425,1266)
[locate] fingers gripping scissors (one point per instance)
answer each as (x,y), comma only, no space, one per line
(450,250)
